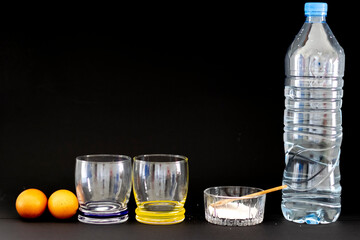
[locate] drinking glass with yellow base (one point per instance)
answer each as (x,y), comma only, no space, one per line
(160,184)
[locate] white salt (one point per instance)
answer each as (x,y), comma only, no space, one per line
(233,211)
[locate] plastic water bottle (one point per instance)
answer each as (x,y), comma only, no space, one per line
(314,66)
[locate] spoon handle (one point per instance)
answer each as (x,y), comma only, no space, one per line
(222,202)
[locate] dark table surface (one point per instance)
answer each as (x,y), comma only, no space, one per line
(195,226)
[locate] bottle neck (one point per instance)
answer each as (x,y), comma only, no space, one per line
(315,19)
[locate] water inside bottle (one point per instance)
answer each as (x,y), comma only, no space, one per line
(307,168)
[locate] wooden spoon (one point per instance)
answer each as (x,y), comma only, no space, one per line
(225,201)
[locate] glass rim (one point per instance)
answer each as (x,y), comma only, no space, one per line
(206,192)
(170,157)
(103,158)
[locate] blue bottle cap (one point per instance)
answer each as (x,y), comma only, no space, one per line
(316,9)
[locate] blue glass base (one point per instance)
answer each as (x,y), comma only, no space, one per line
(103,218)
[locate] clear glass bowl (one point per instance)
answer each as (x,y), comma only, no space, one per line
(243,212)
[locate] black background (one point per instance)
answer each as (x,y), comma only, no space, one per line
(201,80)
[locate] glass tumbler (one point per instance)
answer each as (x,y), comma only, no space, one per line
(103,186)
(160,185)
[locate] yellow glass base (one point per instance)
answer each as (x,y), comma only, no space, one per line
(160,217)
